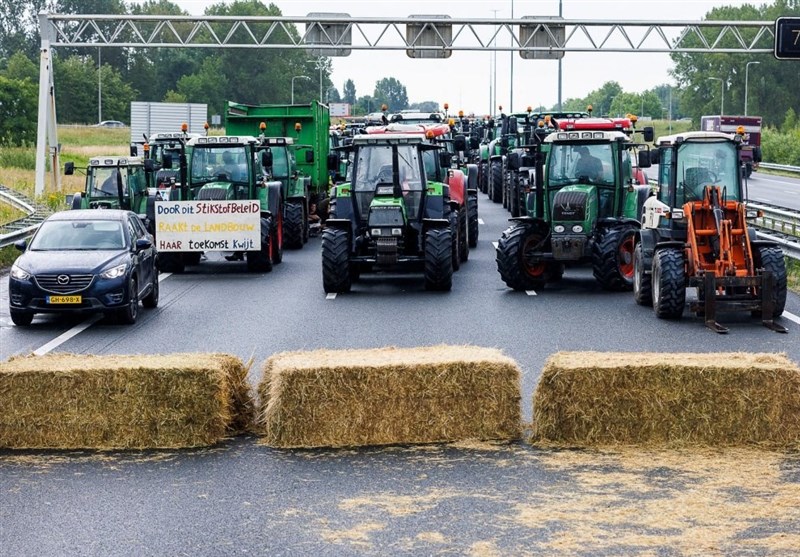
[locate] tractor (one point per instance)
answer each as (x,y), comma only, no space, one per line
(114,182)
(221,170)
(583,208)
(695,234)
(390,215)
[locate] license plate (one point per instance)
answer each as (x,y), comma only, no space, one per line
(64,299)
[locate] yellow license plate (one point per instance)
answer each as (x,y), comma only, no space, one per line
(64,299)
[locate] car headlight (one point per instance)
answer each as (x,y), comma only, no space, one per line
(115,272)
(577,229)
(19,273)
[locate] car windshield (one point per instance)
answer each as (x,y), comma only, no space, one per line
(573,163)
(374,166)
(82,235)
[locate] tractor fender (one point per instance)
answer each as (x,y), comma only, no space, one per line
(338,224)
(763,244)
(455,179)
(472,178)
(647,237)
(434,223)
(618,221)
(150,214)
(497,158)
(541,225)
(274,197)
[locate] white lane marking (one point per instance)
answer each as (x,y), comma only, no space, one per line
(791,317)
(78,329)
(791,191)
(494,244)
(771,181)
(480,221)
(530,292)
(64,337)
(331,296)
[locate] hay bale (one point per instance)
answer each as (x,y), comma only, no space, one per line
(335,398)
(69,401)
(722,399)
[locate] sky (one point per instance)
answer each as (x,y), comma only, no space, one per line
(466,79)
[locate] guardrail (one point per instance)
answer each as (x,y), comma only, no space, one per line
(24,227)
(782,167)
(779,225)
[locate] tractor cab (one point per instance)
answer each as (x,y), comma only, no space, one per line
(221,168)
(114,182)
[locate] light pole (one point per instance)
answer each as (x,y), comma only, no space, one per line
(747,67)
(493,92)
(722,94)
(328,93)
(298,77)
(559,62)
(511,96)
(99,88)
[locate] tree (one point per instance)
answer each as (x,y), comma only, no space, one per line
(19,26)
(19,66)
(349,92)
(76,91)
(790,121)
(391,92)
(425,106)
(18,102)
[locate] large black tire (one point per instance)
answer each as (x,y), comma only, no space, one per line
(483,177)
(454,234)
(771,259)
(463,240)
(336,275)
(472,215)
(669,283)
(21,318)
(512,265)
(171,262)
(128,314)
(438,259)
(293,226)
(642,285)
(151,300)
(276,245)
(513,202)
(496,181)
(261,261)
(612,257)
(192,257)
(506,187)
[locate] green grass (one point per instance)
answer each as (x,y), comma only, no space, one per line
(82,136)
(662,127)
(18,157)
(8,255)
(793,274)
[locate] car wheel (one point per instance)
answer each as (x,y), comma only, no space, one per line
(21,318)
(151,300)
(128,314)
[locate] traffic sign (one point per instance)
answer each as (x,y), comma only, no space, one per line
(787,38)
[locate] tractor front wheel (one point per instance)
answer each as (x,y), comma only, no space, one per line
(293,226)
(612,257)
(642,285)
(669,283)
(456,236)
(261,261)
(496,181)
(463,241)
(518,269)
(771,259)
(438,259)
(336,275)
(472,213)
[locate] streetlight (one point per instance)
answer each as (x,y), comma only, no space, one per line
(747,67)
(560,13)
(328,93)
(722,94)
(493,90)
(511,89)
(298,77)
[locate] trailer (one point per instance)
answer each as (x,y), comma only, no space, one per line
(749,127)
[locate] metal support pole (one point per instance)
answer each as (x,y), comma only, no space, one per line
(511,95)
(99,86)
(747,67)
(46,130)
(560,13)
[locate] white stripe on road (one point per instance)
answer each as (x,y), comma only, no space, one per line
(480,221)
(331,296)
(530,292)
(494,244)
(77,329)
(791,317)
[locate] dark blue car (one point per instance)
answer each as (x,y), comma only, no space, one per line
(85,261)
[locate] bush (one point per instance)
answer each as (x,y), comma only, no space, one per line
(780,147)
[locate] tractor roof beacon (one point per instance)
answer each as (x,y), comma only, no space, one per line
(583,207)
(695,234)
(393,214)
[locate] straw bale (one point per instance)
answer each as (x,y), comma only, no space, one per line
(120,402)
(714,399)
(386,396)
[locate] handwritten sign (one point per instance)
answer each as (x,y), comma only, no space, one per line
(208,225)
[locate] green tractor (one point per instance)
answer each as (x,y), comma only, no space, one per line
(114,182)
(585,207)
(390,215)
(221,170)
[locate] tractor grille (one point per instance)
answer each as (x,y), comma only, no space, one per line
(64,284)
(212,193)
(569,205)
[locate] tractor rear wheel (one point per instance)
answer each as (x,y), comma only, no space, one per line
(472,214)
(276,245)
(483,177)
(463,240)
(454,234)
(496,181)
(516,269)
(438,259)
(612,257)
(669,283)
(336,276)
(293,226)
(642,285)
(513,202)
(771,259)
(261,261)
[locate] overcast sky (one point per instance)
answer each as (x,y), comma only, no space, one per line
(465,78)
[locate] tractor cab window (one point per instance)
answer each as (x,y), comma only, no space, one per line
(227,164)
(707,164)
(570,163)
(102,181)
(374,166)
(136,179)
(280,163)
(161,148)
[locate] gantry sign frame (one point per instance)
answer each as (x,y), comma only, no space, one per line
(421,36)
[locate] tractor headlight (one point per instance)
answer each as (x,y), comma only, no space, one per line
(397,231)
(114,272)
(577,229)
(559,228)
(19,273)
(375,232)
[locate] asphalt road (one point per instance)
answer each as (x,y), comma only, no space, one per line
(776,190)
(242,497)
